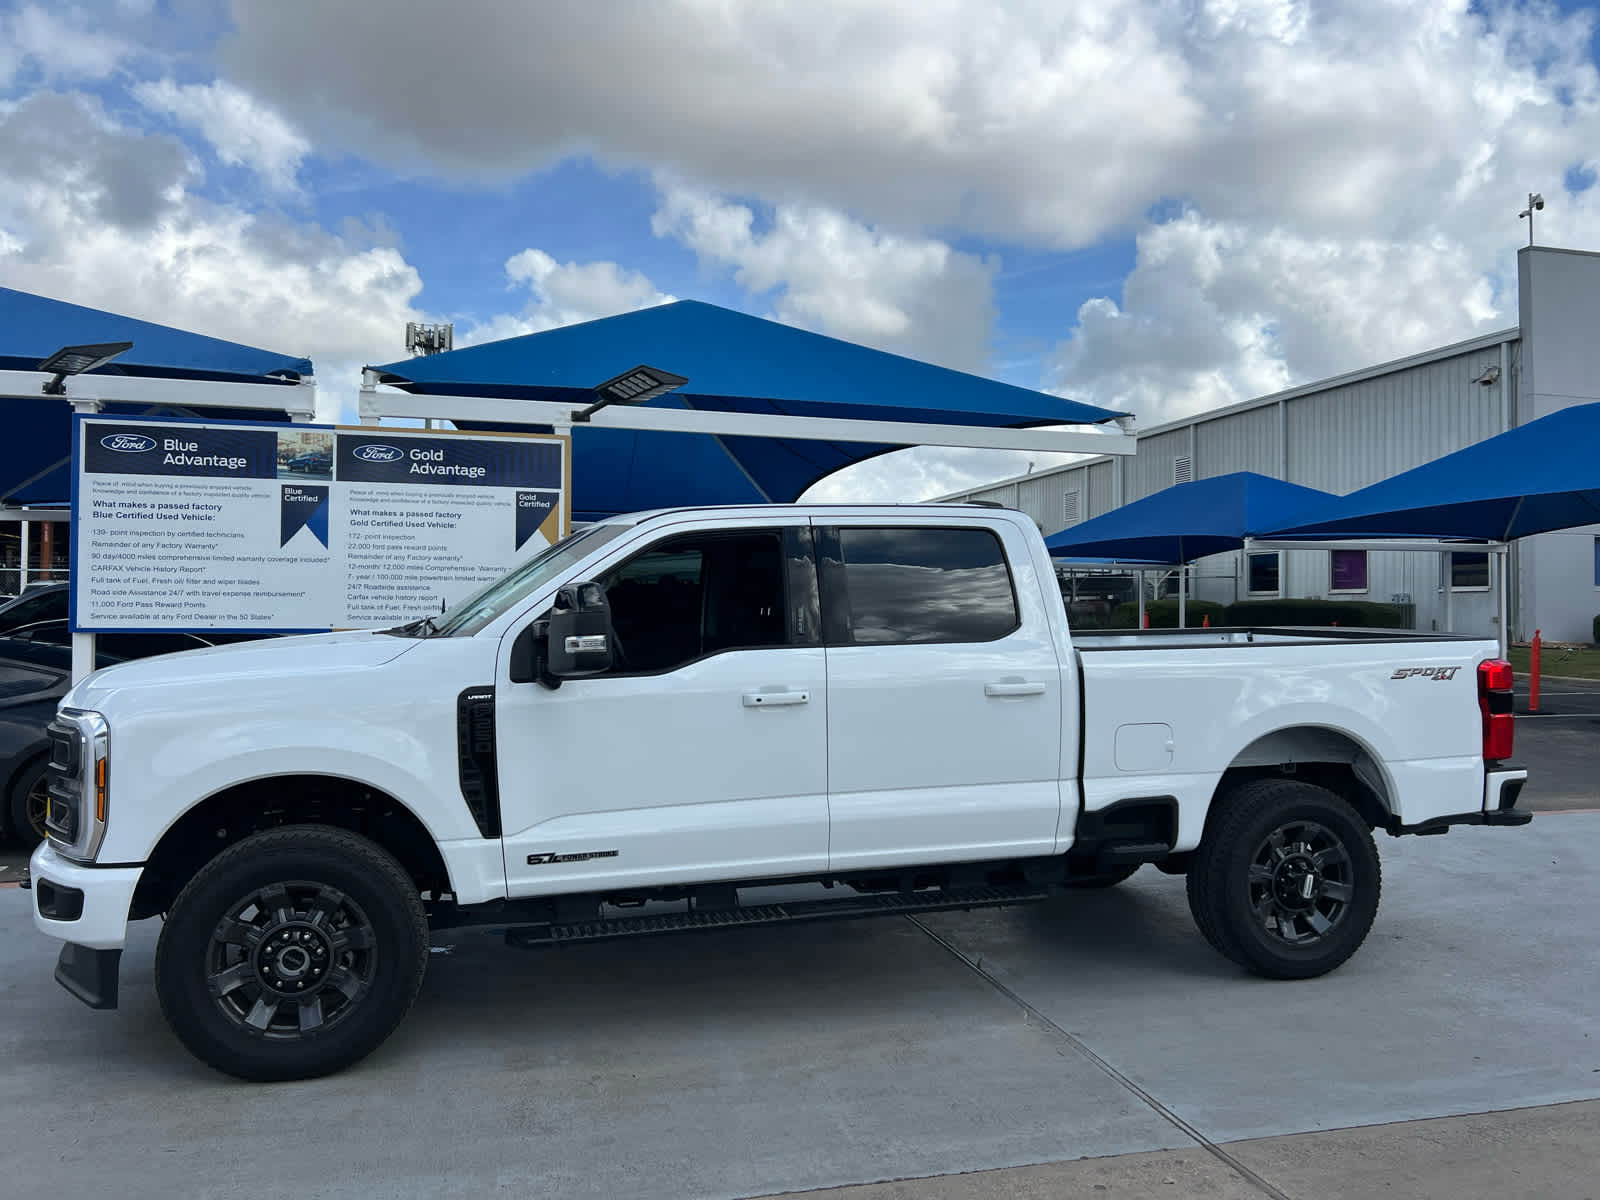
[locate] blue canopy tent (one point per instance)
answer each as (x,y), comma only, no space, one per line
(735,364)
(1187,521)
(34,458)
(1538,477)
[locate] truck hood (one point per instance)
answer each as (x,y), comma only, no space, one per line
(310,655)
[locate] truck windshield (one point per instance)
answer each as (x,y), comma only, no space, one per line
(468,616)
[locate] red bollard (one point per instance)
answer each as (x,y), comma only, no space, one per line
(1205,621)
(1533,672)
(1147,620)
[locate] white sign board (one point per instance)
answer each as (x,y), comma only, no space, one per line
(226,526)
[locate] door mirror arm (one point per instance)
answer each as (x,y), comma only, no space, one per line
(530,656)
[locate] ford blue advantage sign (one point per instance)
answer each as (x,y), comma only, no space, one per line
(243,526)
(214,452)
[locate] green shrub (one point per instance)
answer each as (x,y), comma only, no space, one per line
(1358,614)
(1163,614)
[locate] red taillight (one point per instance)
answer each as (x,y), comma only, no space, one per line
(1495,681)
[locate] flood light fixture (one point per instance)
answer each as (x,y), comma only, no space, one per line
(75,360)
(1535,204)
(631,387)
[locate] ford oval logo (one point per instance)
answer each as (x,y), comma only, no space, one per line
(128,443)
(375,452)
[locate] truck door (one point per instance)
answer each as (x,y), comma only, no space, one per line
(944,695)
(702,754)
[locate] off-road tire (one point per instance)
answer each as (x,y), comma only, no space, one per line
(25,805)
(1245,889)
(302,906)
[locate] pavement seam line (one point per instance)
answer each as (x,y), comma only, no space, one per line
(1083,1049)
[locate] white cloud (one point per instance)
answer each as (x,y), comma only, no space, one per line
(1313,187)
(910,295)
(565,294)
(242,130)
(60,43)
(1037,122)
(924,473)
(108,219)
(1048,120)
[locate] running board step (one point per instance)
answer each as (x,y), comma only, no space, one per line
(529,936)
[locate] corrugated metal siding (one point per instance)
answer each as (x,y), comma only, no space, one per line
(1150,470)
(1246,441)
(1041,500)
(1102,481)
(1349,437)
(1339,439)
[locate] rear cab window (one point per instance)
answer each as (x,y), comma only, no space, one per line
(915,585)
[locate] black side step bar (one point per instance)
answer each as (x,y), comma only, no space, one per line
(933,900)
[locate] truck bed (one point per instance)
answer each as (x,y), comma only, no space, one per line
(1173,639)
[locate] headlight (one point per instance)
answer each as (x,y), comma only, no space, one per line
(79,782)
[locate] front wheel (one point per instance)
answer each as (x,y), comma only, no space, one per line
(292,954)
(28,803)
(1286,880)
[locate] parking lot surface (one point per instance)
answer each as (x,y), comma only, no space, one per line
(1560,744)
(752,1062)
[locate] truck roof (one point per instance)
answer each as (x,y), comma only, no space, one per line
(966,508)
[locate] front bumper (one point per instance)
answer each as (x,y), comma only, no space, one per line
(85,905)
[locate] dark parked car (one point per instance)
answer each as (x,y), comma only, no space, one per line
(41,602)
(35,672)
(317,461)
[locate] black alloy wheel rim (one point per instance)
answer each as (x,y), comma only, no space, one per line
(36,805)
(291,960)
(1302,881)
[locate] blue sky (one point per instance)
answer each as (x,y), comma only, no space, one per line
(1156,208)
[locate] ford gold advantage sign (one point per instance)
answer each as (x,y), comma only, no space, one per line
(190,525)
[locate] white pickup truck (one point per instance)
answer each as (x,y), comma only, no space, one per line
(643,727)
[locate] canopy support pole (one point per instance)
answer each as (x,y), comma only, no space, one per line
(1503,597)
(1447,570)
(22,561)
(1139,587)
(1183,596)
(83,655)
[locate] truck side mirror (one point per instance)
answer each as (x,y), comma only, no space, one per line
(581,640)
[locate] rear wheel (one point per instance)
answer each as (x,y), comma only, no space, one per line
(292,954)
(27,804)
(1286,881)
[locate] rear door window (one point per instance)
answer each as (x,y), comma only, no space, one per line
(915,585)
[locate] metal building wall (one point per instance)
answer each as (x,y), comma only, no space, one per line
(1341,436)
(1247,441)
(1345,438)
(1040,498)
(1150,470)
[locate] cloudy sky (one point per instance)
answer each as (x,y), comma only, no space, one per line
(1160,206)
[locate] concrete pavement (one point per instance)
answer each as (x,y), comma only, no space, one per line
(753,1062)
(1549,1153)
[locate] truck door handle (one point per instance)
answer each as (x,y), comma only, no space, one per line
(775,699)
(1013,689)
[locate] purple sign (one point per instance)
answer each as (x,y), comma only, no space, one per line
(1349,570)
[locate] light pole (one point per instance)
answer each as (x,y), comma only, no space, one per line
(1535,204)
